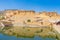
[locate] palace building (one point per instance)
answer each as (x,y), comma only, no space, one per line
(31,18)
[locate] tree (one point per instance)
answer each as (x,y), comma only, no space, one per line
(1,17)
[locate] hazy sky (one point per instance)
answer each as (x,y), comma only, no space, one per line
(36,5)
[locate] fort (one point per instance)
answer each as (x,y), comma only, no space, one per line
(29,17)
(30,23)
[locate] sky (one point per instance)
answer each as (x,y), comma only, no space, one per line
(36,5)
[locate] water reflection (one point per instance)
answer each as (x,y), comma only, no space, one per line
(6,37)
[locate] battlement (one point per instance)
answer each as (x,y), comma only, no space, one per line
(9,10)
(9,13)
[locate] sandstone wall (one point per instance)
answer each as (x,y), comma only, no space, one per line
(21,17)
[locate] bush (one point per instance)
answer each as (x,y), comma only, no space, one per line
(39,31)
(1,17)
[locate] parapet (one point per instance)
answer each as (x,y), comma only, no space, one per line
(19,12)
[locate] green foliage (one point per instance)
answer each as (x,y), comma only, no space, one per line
(39,31)
(28,29)
(23,27)
(1,17)
(14,33)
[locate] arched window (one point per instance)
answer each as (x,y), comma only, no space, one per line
(42,23)
(14,13)
(28,20)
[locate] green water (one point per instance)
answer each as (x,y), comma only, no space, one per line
(6,37)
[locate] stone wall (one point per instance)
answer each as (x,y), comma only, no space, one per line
(21,17)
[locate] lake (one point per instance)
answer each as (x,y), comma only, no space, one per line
(7,37)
